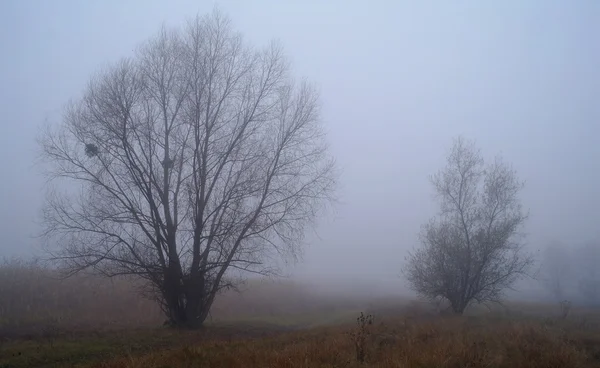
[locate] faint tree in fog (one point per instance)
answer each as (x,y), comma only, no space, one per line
(555,272)
(471,252)
(197,156)
(588,272)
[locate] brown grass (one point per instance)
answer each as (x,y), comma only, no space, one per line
(450,342)
(34,299)
(47,322)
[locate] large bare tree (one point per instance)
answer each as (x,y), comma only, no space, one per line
(472,251)
(197,156)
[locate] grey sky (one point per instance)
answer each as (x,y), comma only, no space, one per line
(398,80)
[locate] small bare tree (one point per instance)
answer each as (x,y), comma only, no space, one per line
(472,251)
(196,157)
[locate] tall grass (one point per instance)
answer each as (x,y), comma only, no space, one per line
(34,298)
(34,301)
(438,342)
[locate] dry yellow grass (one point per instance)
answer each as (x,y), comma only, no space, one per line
(454,342)
(34,299)
(400,342)
(262,330)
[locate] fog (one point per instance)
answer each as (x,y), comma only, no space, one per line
(398,81)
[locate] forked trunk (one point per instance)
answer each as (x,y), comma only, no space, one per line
(193,311)
(185,306)
(187,315)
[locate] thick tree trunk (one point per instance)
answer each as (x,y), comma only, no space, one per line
(193,311)
(174,309)
(188,315)
(176,315)
(172,296)
(185,302)
(458,310)
(458,307)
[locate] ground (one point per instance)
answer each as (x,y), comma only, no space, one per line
(46,324)
(412,338)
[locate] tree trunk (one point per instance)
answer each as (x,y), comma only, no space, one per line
(173,298)
(193,311)
(458,307)
(187,315)
(185,302)
(174,309)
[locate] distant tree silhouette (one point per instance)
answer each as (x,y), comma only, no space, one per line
(471,252)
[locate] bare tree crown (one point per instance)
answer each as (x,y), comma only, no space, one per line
(471,252)
(196,156)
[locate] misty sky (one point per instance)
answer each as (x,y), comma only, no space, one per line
(398,81)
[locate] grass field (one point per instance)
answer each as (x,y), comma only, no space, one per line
(88,322)
(408,340)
